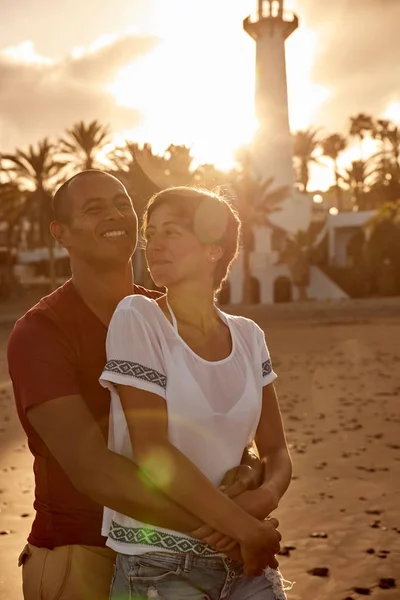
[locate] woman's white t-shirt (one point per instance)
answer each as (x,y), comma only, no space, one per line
(213,407)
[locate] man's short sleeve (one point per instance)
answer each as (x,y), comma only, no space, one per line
(41,362)
(134,355)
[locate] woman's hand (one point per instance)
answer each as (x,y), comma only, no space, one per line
(259,503)
(239,480)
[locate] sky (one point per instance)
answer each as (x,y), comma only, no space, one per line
(182,71)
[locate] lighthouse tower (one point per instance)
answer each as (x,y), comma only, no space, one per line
(272,158)
(272,149)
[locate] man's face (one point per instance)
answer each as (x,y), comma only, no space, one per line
(103,224)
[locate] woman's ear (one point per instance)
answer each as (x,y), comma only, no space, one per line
(215,252)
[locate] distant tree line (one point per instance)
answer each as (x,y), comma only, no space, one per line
(371,181)
(29,177)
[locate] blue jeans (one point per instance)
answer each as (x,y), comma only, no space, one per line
(163,576)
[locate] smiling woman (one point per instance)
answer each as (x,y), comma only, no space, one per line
(191,388)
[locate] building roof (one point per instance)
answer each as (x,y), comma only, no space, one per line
(349,219)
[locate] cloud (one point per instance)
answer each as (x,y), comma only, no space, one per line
(41,97)
(357,52)
(101,63)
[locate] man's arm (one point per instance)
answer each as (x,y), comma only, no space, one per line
(73,437)
(42,365)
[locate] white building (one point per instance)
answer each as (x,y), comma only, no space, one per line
(340,229)
(272,156)
(271,279)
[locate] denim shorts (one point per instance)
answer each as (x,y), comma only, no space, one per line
(164,576)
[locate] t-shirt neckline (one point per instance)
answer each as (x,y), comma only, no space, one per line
(223,318)
(86,306)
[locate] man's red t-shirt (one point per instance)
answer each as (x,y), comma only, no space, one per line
(57,349)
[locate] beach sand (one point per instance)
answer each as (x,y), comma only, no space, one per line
(339,390)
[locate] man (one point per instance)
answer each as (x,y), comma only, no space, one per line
(56,354)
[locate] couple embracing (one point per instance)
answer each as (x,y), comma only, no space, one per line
(149,405)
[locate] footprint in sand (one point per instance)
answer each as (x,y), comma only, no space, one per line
(319,572)
(362,591)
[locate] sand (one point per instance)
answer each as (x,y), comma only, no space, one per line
(339,388)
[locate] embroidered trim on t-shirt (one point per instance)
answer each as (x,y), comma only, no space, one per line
(159,539)
(266,368)
(136,370)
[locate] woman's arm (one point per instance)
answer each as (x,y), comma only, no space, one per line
(276,472)
(275,457)
(167,468)
(172,472)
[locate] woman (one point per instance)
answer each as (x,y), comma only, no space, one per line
(191,387)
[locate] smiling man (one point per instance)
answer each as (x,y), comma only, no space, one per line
(56,354)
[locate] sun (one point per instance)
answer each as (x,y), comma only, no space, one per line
(393,112)
(197,86)
(184,102)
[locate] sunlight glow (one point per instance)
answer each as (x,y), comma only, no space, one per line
(200,92)
(304,95)
(393,112)
(213,119)
(25,53)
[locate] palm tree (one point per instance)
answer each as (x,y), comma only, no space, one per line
(34,173)
(209,177)
(332,146)
(12,202)
(359,126)
(389,135)
(178,164)
(142,172)
(356,178)
(83,143)
(393,138)
(254,201)
(160,172)
(305,146)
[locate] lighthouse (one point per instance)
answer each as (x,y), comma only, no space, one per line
(272,154)
(272,279)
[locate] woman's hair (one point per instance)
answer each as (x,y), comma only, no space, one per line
(209,216)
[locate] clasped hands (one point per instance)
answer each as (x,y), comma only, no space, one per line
(258,551)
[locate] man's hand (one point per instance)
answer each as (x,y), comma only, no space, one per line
(239,480)
(259,503)
(259,551)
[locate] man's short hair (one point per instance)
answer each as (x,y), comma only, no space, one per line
(62,199)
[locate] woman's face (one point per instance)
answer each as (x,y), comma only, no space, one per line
(173,252)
